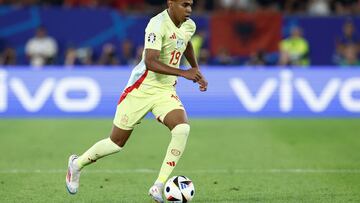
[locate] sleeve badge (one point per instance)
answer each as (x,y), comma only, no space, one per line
(152,37)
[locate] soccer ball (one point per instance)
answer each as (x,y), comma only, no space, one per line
(179,189)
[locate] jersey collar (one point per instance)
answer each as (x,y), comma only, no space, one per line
(172,22)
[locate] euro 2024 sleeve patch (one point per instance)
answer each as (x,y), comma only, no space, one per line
(152,37)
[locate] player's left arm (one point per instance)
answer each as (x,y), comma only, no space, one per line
(190,57)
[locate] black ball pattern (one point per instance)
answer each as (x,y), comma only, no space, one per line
(168,189)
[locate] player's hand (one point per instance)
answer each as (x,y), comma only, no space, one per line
(192,74)
(203,84)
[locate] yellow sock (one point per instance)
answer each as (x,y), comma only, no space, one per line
(175,150)
(100,149)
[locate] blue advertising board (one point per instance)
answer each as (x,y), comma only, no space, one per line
(74,27)
(233,92)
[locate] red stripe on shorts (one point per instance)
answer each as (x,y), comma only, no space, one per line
(132,87)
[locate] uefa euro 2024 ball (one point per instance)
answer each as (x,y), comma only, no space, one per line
(179,189)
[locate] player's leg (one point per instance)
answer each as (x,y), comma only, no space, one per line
(128,114)
(172,114)
(110,145)
(177,123)
(107,146)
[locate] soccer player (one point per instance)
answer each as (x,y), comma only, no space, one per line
(151,87)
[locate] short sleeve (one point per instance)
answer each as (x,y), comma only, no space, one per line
(153,35)
(190,28)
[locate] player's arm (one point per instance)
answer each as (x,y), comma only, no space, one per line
(152,63)
(190,57)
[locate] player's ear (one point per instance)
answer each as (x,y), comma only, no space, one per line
(169,3)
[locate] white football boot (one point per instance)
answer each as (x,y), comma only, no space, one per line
(73,175)
(156,193)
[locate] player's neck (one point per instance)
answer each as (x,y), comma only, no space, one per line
(173,19)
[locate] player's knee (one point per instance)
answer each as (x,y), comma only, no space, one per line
(181,130)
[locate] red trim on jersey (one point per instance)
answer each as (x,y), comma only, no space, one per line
(132,87)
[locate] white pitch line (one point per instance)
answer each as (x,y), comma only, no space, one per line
(210,171)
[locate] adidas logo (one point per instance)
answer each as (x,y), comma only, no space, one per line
(173,36)
(171,163)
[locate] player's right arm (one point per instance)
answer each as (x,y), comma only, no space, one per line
(153,63)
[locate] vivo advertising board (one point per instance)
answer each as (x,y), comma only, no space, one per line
(233,92)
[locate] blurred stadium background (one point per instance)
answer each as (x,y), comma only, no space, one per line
(279,123)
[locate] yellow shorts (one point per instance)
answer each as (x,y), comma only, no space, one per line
(133,107)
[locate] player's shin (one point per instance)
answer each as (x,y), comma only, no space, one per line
(175,150)
(100,149)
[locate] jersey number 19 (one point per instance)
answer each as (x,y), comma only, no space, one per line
(175,57)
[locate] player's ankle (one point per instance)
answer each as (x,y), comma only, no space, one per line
(159,184)
(77,165)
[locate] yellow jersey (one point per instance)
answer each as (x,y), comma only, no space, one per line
(163,35)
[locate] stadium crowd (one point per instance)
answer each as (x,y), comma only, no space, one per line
(312,7)
(42,49)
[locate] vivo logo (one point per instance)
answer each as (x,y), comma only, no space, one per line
(57,89)
(286,86)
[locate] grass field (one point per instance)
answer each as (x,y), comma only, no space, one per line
(229,161)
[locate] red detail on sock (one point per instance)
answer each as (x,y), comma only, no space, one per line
(171,163)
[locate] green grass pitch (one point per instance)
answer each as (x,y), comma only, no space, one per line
(229,160)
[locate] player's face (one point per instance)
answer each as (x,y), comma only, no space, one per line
(181,9)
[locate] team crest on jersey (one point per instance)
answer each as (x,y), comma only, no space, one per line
(124,119)
(152,37)
(180,43)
